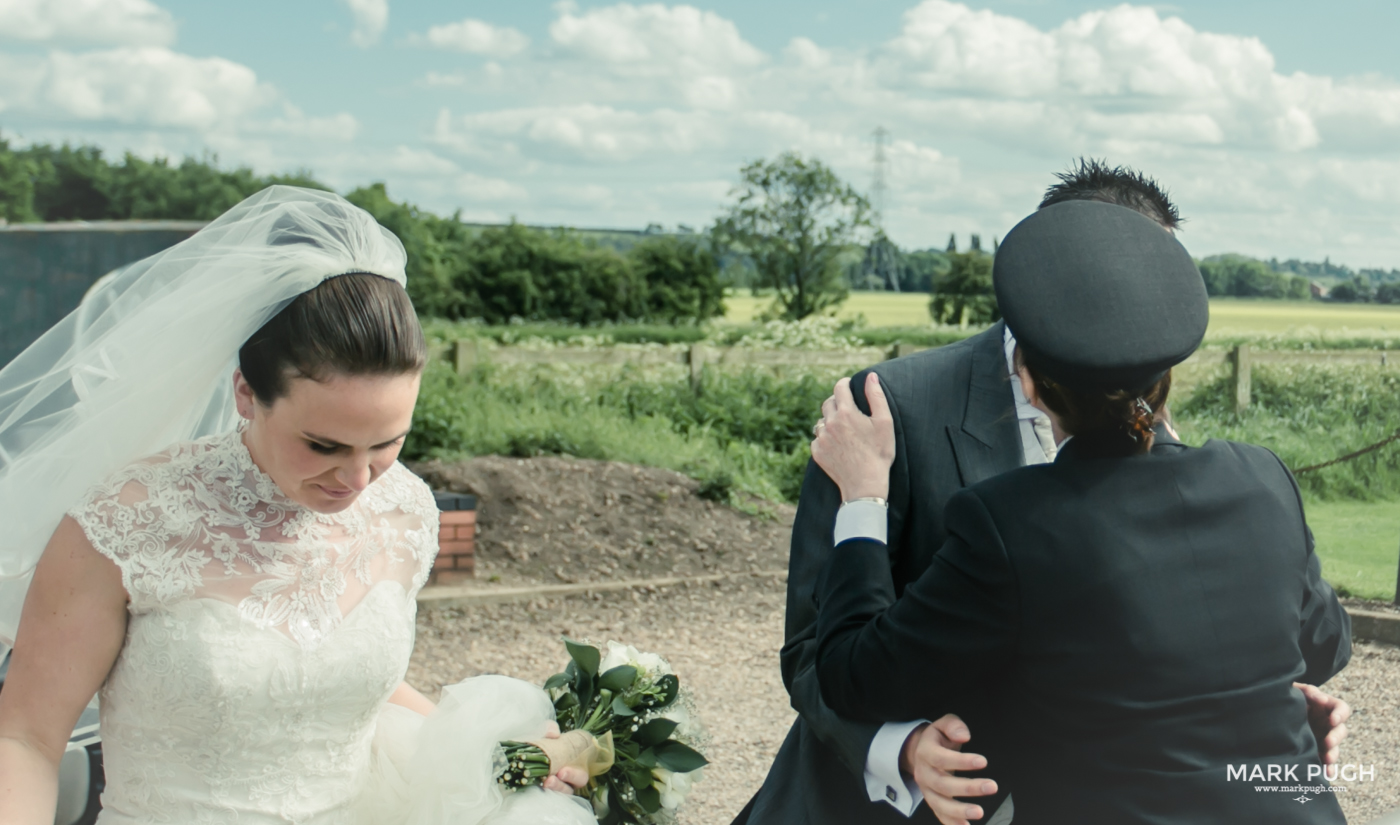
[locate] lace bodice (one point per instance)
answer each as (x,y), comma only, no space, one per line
(263,637)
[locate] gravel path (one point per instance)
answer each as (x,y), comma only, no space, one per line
(723,640)
(1371,685)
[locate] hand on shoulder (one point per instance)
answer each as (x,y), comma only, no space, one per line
(856,450)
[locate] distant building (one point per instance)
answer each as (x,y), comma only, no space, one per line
(1318,291)
(46,268)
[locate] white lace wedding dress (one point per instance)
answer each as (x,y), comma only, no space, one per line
(262,643)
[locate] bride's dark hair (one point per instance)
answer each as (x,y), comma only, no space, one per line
(356,324)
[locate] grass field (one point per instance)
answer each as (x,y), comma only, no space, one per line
(893,309)
(1358,544)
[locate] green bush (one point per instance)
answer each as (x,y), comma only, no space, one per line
(682,279)
(518,272)
(495,413)
(1309,415)
(515,273)
(77,183)
(1245,277)
(965,295)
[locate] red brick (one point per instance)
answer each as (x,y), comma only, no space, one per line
(448,578)
(444,562)
(454,517)
(463,547)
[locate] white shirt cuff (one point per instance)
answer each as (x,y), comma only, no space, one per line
(862,520)
(883,781)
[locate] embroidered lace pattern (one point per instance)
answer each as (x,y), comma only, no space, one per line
(262,640)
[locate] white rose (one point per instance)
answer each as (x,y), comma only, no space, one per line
(681,716)
(653,664)
(618,655)
(600,802)
(674,787)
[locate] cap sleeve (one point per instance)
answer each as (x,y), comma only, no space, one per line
(133,518)
(424,541)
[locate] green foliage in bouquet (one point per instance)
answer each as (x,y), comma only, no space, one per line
(627,701)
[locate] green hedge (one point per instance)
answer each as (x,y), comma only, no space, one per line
(503,273)
(1309,415)
(747,432)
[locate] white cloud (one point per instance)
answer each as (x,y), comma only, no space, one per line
(371,17)
(149,86)
(682,49)
(584,131)
(108,22)
(653,37)
(154,88)
(672,94)
(477,37)
(1125,74)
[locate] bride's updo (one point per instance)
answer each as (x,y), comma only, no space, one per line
(356,324)
(1120,422)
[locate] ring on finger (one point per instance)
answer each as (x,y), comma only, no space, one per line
(817,428)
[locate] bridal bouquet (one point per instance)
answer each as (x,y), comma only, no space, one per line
(624,720)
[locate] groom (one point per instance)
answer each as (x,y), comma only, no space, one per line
(958,420)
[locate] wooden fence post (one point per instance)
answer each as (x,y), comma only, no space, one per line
(464,355)
(695,357)
(901,350)
(1240,360)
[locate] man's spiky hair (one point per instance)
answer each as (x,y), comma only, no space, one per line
(1091,179)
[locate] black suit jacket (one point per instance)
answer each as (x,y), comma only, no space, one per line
(955,425)
(1141,620)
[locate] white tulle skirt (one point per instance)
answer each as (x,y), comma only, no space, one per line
(441,769)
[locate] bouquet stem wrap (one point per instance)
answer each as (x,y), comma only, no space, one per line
(579,749)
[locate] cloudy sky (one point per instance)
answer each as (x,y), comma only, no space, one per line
(1274,123)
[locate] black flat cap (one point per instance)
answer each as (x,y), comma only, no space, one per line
(1100,297)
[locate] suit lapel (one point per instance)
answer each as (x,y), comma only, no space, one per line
(989,441)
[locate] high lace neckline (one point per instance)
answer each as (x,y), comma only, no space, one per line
(264,487)
(204,521)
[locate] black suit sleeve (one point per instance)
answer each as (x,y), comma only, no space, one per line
(1324,633)
(811,547)
(884,660)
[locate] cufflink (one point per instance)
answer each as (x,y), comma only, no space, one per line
(891,794)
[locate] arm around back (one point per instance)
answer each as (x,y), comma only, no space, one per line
(881,660)
(71,630)
(1324,631)
(810,549)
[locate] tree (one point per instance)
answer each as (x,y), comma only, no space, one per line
(1388,293)
(1354,291)
(70,183)
(965,295)
(1246,277)
(882,264)
(682,279)
(435,248)
(16,186)
(923,268)
(793,218)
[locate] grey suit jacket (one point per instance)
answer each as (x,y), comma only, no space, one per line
(955,425)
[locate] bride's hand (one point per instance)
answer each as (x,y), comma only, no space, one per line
(856,450)
(568,779)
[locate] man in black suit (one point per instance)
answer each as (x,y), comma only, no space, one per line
(959,420)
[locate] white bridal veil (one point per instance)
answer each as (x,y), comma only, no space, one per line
(147,359)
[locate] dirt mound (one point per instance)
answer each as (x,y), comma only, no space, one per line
(574,520)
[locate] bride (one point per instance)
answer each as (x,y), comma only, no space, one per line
(205,523)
